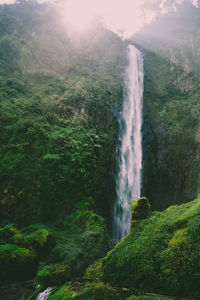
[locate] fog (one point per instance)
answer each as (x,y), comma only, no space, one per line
(124,17)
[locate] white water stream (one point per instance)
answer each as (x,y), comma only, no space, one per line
(44,295)
(128,181)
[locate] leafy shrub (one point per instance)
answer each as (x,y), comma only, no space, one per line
(52,275)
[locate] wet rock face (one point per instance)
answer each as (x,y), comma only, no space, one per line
(171,147)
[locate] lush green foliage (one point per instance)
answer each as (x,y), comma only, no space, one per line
(57,128)
(83,240)
(161,255)
(92,291)
(10,235)
(140,208)
(54,275)
(94,272)
(63,251)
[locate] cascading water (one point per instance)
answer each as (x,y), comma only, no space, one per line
(44,295)
(128,181)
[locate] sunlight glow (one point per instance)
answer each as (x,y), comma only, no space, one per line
(124,17)
(80,14)
(7,1)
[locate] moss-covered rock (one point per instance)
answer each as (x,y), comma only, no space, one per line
(140,208)
(98,291)
(40,238)
(94,272)
(92,291)
(16,263)
(43,240)
(10,235)
(52,275)
(161,255)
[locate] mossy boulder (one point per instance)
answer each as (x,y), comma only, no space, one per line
(92,291)
(161,255)
(16,263)
(43,240)
(52,275)
(10,235)
(40,238)
(98,291)
(140,208)
(94,272)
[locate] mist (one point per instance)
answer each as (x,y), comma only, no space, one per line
(124,17)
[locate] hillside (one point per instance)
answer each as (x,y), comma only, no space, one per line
(161,253)
(59,97)
(57,114)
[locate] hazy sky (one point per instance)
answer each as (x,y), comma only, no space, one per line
(121,16)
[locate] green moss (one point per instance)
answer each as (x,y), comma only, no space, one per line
(16,263)
(92,291)
(94,271)
(40,238)
(179,239)
(67,292)
(98,291)
(140,208)
(10,235)
(52,275)
(158,256)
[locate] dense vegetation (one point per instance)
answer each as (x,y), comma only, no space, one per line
(58,97)
(161,254)
(57,126)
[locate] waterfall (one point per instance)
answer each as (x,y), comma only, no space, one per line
(128,179)
(44,295)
